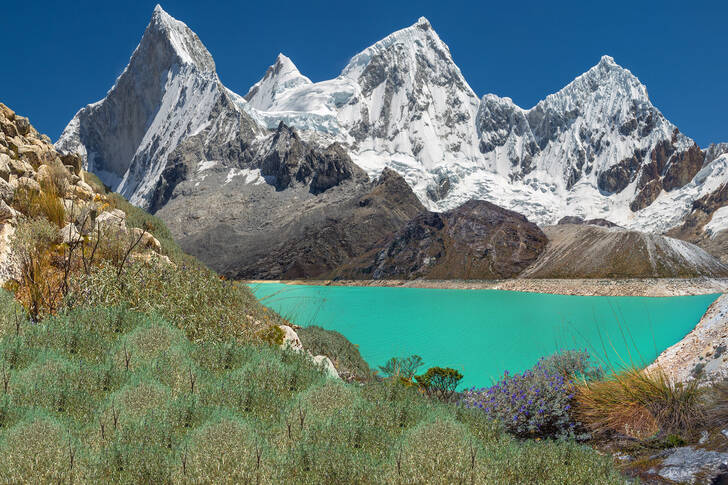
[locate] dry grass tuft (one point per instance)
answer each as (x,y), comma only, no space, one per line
(640,404)
(45,203)
(718,404)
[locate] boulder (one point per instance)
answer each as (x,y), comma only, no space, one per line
(290,339)
(70,233)
(44,176)
(14,143)
(81,193)
(22,124)
(147,240)
(21,168)
(114,219)
(87,188)
(8,128)
(7,193)
(694,465)
(327,365)
(4,166)
(32,154)
(7,112)
(7,213)
(74,161)
(29,184)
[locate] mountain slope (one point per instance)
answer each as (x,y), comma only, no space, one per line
(316,211)
(589,251)
(477,240)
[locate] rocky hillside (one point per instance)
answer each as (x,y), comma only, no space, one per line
(594,251)
(36,181)
(703,353)
(477,240)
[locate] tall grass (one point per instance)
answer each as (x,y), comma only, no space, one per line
(640,404)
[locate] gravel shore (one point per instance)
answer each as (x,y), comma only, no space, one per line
(584,287)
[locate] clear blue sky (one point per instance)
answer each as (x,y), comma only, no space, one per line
(60,56)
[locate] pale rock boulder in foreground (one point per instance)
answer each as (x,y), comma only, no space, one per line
(293,342)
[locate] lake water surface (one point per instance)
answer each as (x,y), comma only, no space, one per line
(482,333)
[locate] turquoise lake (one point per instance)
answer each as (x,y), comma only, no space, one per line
(482,333)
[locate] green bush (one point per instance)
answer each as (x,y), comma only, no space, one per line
(13,317)
(205,307)
(40,450)
(344,355)
(439,451)
(57,386)
(218,411)
(225,449)
(403,368)
(440,382)
(573,364)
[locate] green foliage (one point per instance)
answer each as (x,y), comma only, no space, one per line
(345,355)
(129,398)
(159,374)
(204,306)
(226,449)
(273,335)
(39,450)
(403,368)
(12,314)
(440,382)
(573,364)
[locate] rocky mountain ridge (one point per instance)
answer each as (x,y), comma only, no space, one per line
(597,149)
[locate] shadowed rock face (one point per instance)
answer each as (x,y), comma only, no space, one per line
(580,220)
(477,240)
(665,167)
(290,161)
(260,232)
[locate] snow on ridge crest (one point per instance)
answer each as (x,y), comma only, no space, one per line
(280,77)
(184,42)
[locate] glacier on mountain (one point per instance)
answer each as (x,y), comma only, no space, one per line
(597,148)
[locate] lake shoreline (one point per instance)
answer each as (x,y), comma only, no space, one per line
(652,287)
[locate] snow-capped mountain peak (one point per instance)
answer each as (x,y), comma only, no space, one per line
(168,92)
(597,148)
(280,77)
(412,104)
(184,42)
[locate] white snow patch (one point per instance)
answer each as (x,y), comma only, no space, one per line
(718,223)
(206,165)
(250,176)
